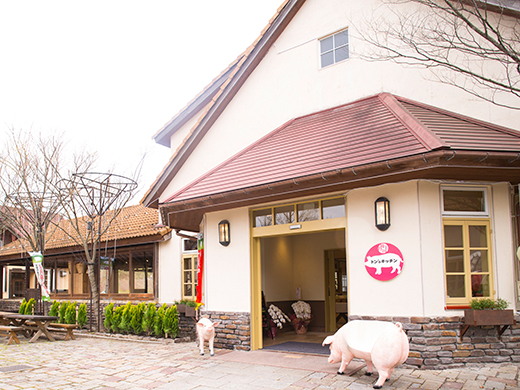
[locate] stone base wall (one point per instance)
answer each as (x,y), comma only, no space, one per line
(435,342)
(234,331)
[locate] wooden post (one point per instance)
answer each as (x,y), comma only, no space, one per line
(2,281)
(27,274)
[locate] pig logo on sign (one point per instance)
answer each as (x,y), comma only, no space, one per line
(384,261)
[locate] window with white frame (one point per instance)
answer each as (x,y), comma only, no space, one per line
(467,245)
(334,48)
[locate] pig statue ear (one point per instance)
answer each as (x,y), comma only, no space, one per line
(328,340)
(216,323)
(200,325)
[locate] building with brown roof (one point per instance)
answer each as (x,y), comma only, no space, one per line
(363,188)
(128,267)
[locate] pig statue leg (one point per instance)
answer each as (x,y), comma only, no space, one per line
(211,352)
(370,368)
(201,345)
(345,360)
(383,376)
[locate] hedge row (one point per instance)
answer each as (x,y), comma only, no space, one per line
(142,319)
(67,312)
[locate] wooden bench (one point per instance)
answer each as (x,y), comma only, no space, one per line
(69,328)
(11,332)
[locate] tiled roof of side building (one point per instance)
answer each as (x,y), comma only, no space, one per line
(133,222)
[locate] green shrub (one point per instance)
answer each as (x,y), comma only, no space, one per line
(137,318)
(149,317)
(55,309)
(21,310)
(158,328)
(109,317)
(488,304)
(171,322)
(126,318)
(63,310)
(116,320)
(191,303)
(82,315)
(29,308)
(70,313)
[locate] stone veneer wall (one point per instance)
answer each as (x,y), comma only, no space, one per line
(234,332)
(435,342)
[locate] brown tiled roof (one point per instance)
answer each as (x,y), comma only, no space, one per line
(375,129)
(133,223)
(221,91)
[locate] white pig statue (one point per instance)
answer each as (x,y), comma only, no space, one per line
(383,344)
(206,332)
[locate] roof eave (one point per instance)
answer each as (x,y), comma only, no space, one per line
(436,165)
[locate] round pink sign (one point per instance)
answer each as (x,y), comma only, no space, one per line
(384,261)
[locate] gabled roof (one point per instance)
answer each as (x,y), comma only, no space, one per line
(380,138)
(219,93)
(135,224)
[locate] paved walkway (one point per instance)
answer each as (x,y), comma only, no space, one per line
(98,363)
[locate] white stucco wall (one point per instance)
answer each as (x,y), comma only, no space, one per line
(403,294)
(227,270)
(416,229)
(170,271)
(503,246)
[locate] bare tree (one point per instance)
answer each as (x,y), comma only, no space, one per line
(27,171)
(91,202)
(473,45)
(30,170)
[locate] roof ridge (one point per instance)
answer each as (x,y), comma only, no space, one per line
(418,129)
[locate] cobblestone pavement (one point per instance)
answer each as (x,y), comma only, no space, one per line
(99,363)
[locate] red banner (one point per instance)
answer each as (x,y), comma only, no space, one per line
(200,268)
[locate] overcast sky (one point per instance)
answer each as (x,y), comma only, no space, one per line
(109,74)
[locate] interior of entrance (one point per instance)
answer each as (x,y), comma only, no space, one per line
(309,267)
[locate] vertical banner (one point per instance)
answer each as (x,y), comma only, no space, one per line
(37,259)
(200,268)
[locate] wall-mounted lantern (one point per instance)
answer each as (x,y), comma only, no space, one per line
(382,207)
(224,235)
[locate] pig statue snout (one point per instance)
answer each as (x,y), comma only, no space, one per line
(206,332)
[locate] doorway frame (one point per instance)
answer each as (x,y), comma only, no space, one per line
(256,263)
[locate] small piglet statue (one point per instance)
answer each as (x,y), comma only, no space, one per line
(206,332)
(383,344)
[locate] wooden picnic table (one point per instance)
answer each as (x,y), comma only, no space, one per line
(33,324)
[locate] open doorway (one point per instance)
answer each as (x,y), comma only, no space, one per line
(292,268)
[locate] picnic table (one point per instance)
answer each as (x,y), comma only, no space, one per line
(30,325)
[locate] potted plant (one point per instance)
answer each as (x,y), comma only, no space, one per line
(191,308)
(488,312)
(181,306)
(302,316)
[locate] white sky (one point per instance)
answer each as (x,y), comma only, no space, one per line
(109,74)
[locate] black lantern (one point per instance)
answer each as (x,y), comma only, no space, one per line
(382,207)
(224,236)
